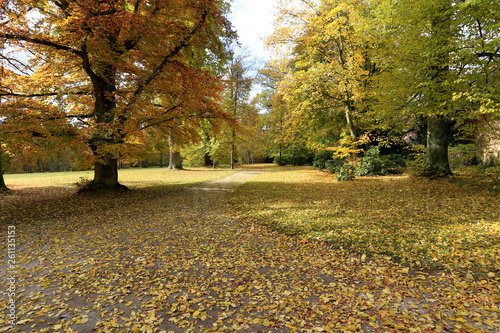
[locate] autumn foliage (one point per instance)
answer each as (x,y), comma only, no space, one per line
(112,70)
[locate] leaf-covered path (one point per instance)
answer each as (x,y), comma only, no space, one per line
(179,260)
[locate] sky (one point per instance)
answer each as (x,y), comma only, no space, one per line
(253,20)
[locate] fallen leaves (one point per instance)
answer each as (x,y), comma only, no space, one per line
(161,260)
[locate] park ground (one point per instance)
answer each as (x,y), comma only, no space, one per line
(259,249)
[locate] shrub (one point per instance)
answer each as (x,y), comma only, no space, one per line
(372,163)
(319,161)
(416,159)
(346,172)
(295,156)
(462,155)
(84,184)
(285,159)
(334,165)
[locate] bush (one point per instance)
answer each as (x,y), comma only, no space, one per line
(325,160)
(346,172)
(334,165)
(285,159)
(372,163)
(295,156)
(462,155)
(319,161)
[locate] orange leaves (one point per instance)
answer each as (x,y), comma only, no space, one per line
(109,69)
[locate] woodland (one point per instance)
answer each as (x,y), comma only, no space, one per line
(161,178)
(102,84)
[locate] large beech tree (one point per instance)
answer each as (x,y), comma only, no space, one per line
(105,64)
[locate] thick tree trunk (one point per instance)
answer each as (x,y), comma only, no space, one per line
(106,167)
(175,162)
(436,163)
(207,160)
(106,176)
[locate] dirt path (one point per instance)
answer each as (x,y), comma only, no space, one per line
(179,262)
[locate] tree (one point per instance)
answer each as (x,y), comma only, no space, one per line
(239,85)
(328,65)
(437,60)
(175,160)
(105,63)
(274,107)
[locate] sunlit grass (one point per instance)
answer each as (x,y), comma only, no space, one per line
(131,177)
(430,223)
(54,193)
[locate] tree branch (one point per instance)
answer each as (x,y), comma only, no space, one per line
(163,113)
(185,42)
(488,54)
(5,94)
(41,42)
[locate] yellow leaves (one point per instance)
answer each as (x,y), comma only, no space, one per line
(260,277)
(82,319)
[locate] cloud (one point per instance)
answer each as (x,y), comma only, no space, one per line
(253,20)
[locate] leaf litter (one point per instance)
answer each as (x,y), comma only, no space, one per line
(179,259)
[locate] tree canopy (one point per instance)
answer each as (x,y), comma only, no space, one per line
(114,69)
(385,66)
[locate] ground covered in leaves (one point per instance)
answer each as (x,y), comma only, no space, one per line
(290,250)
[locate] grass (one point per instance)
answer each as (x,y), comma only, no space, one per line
(63,183)
(426,223)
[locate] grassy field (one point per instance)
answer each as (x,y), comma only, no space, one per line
(63,183)
(445,223)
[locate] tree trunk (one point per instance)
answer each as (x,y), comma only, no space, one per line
(233,148)
(106,166)
(279,160)
(175,162)
(106,176)
(348,117)
(3,187)
(207,160)
(436,163)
